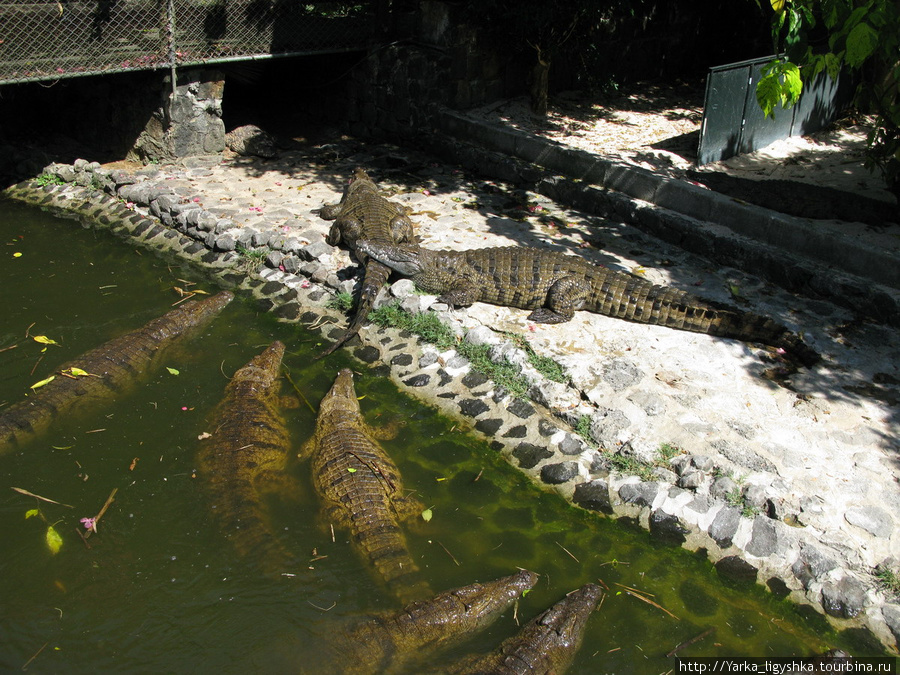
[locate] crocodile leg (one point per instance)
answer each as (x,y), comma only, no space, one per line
(564,297)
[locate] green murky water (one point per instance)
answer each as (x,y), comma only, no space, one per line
(161,590)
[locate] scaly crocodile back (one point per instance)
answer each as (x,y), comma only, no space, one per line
(362,489)
(532,278)
(245,459)
(546,644)
(112,367)
(364,214)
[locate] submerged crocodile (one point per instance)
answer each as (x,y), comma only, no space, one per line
(554,285)
(109,369)
(364,214)
(546,644)
(361,488)
(244,460)
(395,642)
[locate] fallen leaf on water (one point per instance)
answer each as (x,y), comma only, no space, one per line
(172,371)
(44,340)
(31,513)
(43,382)
(54,541)
(426,515)
(350,469)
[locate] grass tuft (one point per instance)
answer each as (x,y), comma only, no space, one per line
(432,330)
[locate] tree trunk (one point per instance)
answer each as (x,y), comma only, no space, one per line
(540,78)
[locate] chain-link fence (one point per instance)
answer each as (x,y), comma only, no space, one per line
(52,39)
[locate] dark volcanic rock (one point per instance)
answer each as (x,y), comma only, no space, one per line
(593,495)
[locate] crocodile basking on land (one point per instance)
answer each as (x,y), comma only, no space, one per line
(244,459)
(396,641)
(554,285)
(104,372)
(547,644)
(361,488)
(363,213)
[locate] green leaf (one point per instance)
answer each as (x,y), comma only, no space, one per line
(54,541)
(350,469)
(172,371)
(768,93)
(43,382)
(44,340)
(833,65)
(426,515)
(31,513)
(792,82)
(861,43)
(777,5)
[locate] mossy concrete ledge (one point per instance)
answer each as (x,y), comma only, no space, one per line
(753,531)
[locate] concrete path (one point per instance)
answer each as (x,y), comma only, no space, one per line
(786,477)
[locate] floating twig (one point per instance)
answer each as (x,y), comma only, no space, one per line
(376,471)
(688,643)
(36,364)
(452,557)
(287,375)
(6,349)
(650,602)
(34,656)
(323,609)
(636,590)
(43,499)
(474,480)
(95,519)
(567,551)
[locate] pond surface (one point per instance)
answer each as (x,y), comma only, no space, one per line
(160,589)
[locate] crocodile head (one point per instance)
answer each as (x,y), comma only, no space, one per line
(341,398)
(478,605)
(262,370)
(404,258)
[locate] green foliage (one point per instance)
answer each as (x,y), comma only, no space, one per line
(426,325)
(780,85)
(863,36)
(250,260)
(341,301)
(736,498)
(583,428)
(889,580)
(430,329)
(667,452)
(49,179)
(546,366)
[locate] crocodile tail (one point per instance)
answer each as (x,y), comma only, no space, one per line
(638,300)
(375,277)
(757,328)
(385,547)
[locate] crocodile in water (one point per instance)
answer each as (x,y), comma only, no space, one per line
(244,459)
(546,644)
(554,285)
(361,489)
(364,214)
(110,369)
(397,641)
